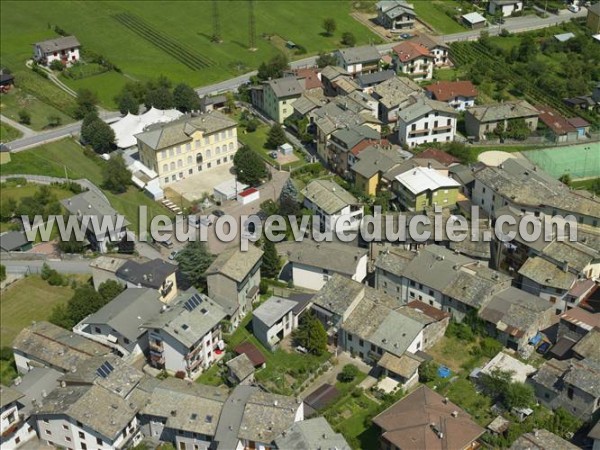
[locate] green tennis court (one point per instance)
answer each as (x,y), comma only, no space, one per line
(580,161)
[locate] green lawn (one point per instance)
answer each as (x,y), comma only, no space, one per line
(107,85)
(26,300)
(18,99)
(52,159)
(8,133)
(434,14)
(101,27)
(589,185)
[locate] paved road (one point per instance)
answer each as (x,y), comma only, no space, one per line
(22,128)
(55,134)
(514,25)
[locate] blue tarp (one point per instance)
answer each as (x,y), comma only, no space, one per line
(443,372)
(536,339)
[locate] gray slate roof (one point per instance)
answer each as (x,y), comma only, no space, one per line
(286,87)
(338,294)
(353,135)
(395,91)
(234,263)
(151,274)
(188,327)
(163,135)
(58,44)
(271,311)
(8,395)
(364,54)
(241,366)
(501,111)
(12,240)
(328,195)
(423,106)
(367,79)
(374,159)
(541,440)
(340,258)
(311,434)
(89,203)
(545,273)
(128,312)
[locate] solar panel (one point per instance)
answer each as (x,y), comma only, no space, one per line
(105,369)
(193,302)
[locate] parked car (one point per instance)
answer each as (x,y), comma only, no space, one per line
(168,243)
(218,213)
(573,8)
(273,154)
(405,36)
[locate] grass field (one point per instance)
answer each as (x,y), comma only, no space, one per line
(51,160)
(17,100)
(146,39)
(26,300)
(28,190)
(580,161)
(8,133)
(434,14)
(107,85)
(590,185)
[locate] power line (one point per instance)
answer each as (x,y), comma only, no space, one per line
(216,36)
(252,27)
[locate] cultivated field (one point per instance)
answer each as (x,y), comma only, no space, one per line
(146,39)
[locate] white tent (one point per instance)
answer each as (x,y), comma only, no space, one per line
(126,128)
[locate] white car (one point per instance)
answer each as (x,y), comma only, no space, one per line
(573,8)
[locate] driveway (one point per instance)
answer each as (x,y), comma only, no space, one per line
(194,187)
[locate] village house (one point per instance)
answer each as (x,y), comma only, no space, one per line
(279,96)
(188,146)
(439,50)
(154,274)
(14,430)
(396,15)
(505,7)
(43,344)
(442,157)
(233,279)
(240,370)
(541,440)
(481,120)
(426,420)
(118,324)
(311,434)
(274,320)
(372,163)
(186,336)
(182,413)
(574,325)
(330,75)
(64,49)
(331,202)
(90,207)
(342,141)
(367,81)
(314,263)
(413,60)
(426,121)
(14,241)
(423,187)
(394,95)
(559,128)
(474,20)
(458,94)
(356,60)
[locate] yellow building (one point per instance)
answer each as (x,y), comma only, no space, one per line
(188,146)
(372,163)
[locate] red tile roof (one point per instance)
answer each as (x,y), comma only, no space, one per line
(553,120)
(252,352)
(447,90)
(408,51)
(366,143)
(310,77)
(440,156)
(428,310)
(578,122)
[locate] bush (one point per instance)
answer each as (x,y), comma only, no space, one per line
(348,373)
(56,65)
(504,32)
(263,287)
(55,279)
(6,353)
(180,374)
(427,372)
(460,331)
(24,117)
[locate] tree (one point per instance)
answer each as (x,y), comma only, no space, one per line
(2,272)
(496,382)
(348,374)
(24,117)
(274,68)
(116,175)
(289,200)
(326,59)
(230,102)
(86,103)
(127,102)
(348,39)
(56,65)
(193,261)
(518,395)
(160,98)
(276,137)
(565,178)
(329,26)
(249,166)
(271,263)
(85,301)
(96,133)
(110,289)
(185,98)
(427,372)
(72,245)
(311,334)
(54,120)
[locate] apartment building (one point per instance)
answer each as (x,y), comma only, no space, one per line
(426,121)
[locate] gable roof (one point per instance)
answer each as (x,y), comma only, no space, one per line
(554,120)
(241,366)
(440,156)
(337,257)
(163,135)
(395,91)
(421,106)
(311,434)
(58,44)
(339,294)
(364,54)
(328,196)
(428,41)
(9,395)
(353,135)
(150,274)
(501,111)
(286,87)
(127,312)
(235,264)
(422,179)
(252,352)
(589,345)
(12,240)
(473,18)
(395,8)
(310,78)
(366,79)
(374,160)
(89,203)
(448,90)
(545,273)
(408,423)
(541,440)
(409,50)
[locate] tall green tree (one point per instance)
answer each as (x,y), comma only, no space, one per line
(329,26)
(193,261)
(518,395)
(109,289)
(2,272)
(86,103)
(311,334)
(128,103)
(271,263)
(348,39)
(249,167)
(160,98)
(85,301)
(326,59)
(276,137)
(185,98)
(274,68)
(116,175)
(96,133)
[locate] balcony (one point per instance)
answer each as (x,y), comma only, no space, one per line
(194,352)
(157,359)
(156,346)
(423,132)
